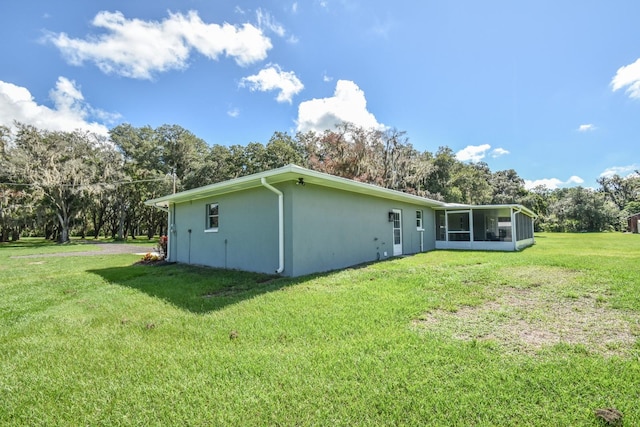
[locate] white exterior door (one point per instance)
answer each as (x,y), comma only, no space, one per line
(397,232)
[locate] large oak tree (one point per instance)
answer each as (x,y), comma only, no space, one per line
(61,168)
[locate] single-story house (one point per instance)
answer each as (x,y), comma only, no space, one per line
(294,221)
(634,223)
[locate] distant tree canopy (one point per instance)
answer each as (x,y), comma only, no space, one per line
(384,158)
(58,170)
(54,184)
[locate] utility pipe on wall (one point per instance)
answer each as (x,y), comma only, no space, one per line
(280,224)
(172,235)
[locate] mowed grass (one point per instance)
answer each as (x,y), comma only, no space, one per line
(541,337)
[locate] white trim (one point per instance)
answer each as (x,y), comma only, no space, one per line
(458,206)
(469,231)
(446,226)
(397,247)
(520,244)
(420,228)
(514,230)
(292,173)
(476,246)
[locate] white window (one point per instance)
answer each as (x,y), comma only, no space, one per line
(212,217)
(419,220)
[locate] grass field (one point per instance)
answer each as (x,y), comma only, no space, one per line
(541,337)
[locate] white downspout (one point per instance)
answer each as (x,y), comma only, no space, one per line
(171,233)
(446,227)
(280,224)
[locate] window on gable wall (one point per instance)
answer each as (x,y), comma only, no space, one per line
(419,220)
(212,217)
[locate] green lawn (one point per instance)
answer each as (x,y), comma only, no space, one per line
(541,337)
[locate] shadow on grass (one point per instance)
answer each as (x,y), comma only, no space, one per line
(205,289)
(194,289)
(28,243)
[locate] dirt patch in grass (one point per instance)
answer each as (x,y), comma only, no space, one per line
(538,308)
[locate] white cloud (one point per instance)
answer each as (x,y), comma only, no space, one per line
(348,104)
(573,179)
(136,48)
(326,78)
(268,22)
(473,153)
(66,96)
(294,7)
(552,183)
(233,113)
(628,76)
(499,152)
(586,128)
(70,111)
(622,171)
(273,78)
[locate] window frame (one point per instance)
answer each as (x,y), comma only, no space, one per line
(419,220)
(208,224)
(459,233)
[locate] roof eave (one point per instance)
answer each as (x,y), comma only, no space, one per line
(520,208)
(290,172)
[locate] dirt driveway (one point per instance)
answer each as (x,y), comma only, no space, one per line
(98,249)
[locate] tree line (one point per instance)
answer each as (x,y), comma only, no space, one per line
(59,184)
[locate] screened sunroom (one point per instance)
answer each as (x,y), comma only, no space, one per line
(491,228)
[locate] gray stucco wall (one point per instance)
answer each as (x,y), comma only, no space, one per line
(324,229)
(247,236)
(332,229)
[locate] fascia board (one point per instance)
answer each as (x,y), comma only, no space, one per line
(291,173)
(520,208)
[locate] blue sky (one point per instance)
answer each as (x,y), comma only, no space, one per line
(550,89)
